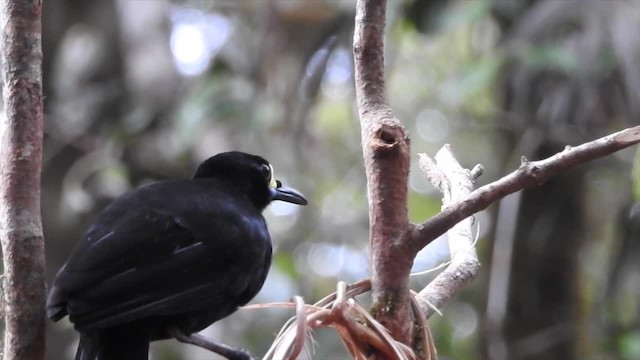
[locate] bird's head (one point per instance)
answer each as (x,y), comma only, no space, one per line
(251,174)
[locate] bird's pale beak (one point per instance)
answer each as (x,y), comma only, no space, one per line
(287,194)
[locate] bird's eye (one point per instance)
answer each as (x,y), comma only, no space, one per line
(266,172)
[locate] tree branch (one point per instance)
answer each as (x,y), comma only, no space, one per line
(393,240)
(386,157)
(529,174)
(455,183)
(20,160)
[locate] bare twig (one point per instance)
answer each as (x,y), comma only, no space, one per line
(530,173)
(455,183)
(20,163)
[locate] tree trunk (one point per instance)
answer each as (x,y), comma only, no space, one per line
(20,164)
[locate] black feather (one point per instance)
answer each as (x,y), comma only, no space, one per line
(175,255)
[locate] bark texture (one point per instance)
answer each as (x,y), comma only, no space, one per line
(455,183)
(386,157)
(20,164)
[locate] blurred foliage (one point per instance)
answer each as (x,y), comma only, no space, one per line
(138,91)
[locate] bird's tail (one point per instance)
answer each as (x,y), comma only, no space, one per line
(113,344)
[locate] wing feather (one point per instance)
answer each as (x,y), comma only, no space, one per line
(148,264)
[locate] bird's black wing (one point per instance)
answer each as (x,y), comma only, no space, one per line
(150,263)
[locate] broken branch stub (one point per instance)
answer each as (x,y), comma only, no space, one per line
(455,183)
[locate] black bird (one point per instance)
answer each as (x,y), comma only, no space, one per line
(170,258)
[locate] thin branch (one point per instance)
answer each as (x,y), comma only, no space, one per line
(386,158)
(529,174)
(455,183)
(20,164)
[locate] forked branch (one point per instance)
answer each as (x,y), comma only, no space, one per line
(529,174)
(456,208)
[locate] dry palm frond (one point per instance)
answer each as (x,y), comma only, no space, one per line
(360,333)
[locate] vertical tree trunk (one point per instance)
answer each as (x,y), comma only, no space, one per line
(20,164)
(385,146)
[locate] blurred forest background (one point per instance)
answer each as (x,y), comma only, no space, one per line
(143,90)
